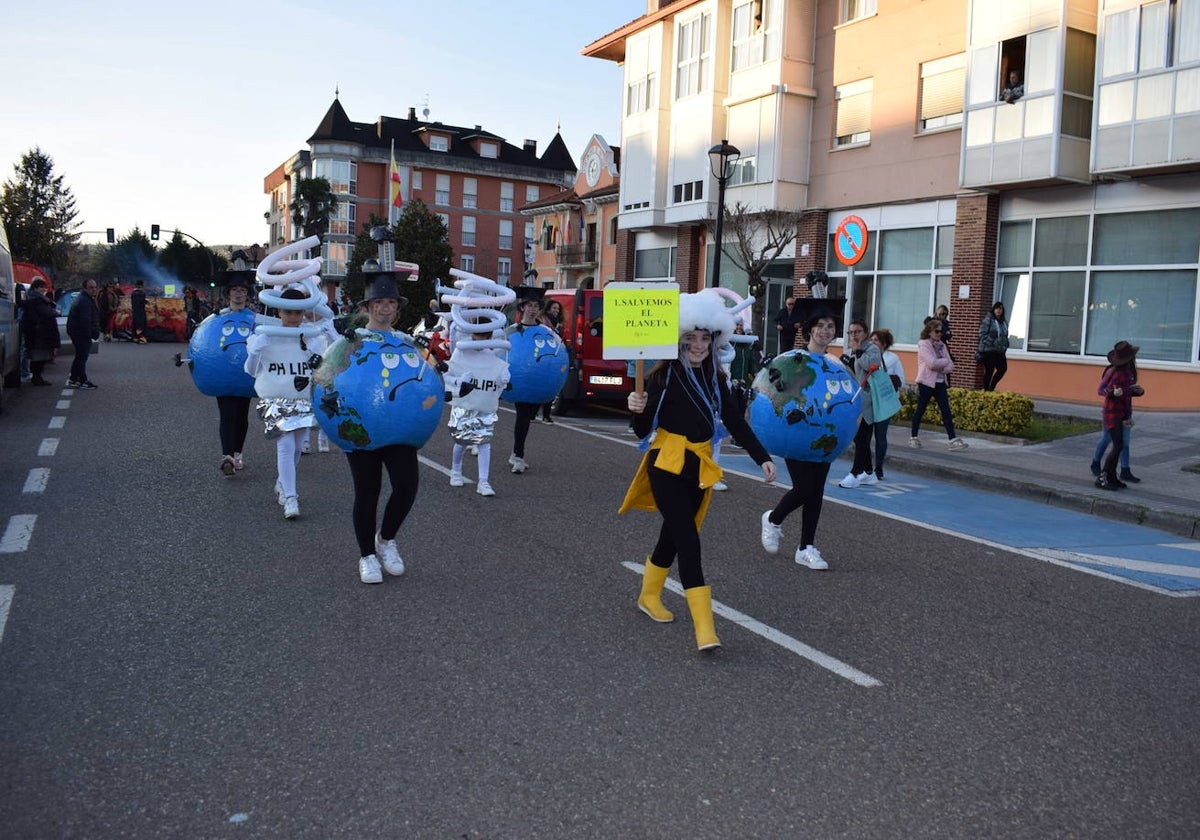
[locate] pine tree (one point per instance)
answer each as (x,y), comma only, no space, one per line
(39,212)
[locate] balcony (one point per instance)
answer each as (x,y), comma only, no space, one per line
(571,256)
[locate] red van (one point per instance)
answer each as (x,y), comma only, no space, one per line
(590,378)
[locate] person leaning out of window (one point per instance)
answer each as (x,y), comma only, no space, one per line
(1014,90)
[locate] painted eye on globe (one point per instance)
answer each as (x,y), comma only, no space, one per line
(389,360)
(411,358)
(539,343)
(244,331)
(227,329)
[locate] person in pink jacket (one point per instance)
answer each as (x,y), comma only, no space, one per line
(933,365)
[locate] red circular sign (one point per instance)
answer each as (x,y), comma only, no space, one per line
(850,240)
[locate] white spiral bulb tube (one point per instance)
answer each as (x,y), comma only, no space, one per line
(741,306)
(475,310)
(278,274)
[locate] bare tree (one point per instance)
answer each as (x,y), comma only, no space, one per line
(758,238)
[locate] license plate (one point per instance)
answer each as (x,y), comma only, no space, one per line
(605,380)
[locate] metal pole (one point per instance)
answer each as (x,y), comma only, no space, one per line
(720,225)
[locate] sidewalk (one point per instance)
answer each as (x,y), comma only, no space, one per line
(1163,446)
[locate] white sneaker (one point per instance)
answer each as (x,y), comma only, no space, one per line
(957,444)
(849,482)
(770,534)
(323,444)
(484,489)
(279,494)
(291,507)
(306,449)
(867,478)
(518,464)
(914,443)
(456,479)
(720,486)
(386,551)
(368,569)
(810,557)
(473,449)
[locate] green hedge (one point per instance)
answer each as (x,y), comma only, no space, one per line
(975,411)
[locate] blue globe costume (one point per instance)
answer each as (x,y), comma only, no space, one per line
(217,350)
(805,407)
(537,363)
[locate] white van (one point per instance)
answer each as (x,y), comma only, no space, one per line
(10,333)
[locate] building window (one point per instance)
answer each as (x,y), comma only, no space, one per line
(1150,36)
(655,264)
(342,220)
(612,231)
(441,191)
(506,236)
(693,56)
(641,82)
(468,231)
(335,254)
(416,179)
(470,197)
(853,106)
(742,171)
(691,191)
(755,33)
(503,270)
(467,263)
(942,83)
(532,193)
(342,175)
(506,197)
(857,9)
(439,143)
(529,239)
(489,150)
(640,95)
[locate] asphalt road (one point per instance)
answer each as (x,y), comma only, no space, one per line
(178,661)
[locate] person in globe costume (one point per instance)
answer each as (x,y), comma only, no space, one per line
(379,399)
(689,407)
(806,408)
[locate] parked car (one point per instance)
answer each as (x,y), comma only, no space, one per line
(10,347)
(591,377)
(64,305)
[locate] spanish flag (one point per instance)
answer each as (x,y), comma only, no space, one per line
(397,200)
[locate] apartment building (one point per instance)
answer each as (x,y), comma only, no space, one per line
(1075,201)
(473,179)
(574,243)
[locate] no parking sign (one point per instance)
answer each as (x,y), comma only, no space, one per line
(850,240)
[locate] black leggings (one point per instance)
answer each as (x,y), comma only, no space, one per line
(525,414)
(808,491)
(235,422)
(995,365)
(366,468)
(678,497)
(862,448)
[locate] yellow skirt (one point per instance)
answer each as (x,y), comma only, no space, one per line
(672,450)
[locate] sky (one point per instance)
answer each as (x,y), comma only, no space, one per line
(173,113)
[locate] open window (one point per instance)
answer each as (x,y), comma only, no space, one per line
(1012,69)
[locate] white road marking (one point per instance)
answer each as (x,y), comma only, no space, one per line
(18,533)
(63,404)
(797,647)
(1125,563)
(48,446)
(1192,546)
(37,480)
(68,392)
(6,598)
(444,470)
(57,422)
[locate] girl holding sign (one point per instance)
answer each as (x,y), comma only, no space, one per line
(689,407)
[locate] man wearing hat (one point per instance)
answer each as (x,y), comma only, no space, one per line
(529,307)
(1117,386)
(137,309)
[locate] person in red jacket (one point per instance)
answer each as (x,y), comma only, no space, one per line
(1116,386)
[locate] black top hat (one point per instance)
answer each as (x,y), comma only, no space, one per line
(234,277)
(1122,353)
(380,284)
(529,293)
(808,310)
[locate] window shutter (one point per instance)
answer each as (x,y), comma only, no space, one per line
(942,93)
(854,114)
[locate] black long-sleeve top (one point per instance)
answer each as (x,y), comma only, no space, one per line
(682,412)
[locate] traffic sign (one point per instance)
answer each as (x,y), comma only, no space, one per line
(850,240)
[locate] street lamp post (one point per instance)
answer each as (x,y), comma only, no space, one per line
(720,158)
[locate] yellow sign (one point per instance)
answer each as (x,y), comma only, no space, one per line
(641,320)
(169,289)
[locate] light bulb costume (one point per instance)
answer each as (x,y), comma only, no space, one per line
(477,372)
(686,407)
(280,359)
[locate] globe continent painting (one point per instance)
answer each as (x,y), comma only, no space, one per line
(381,391)
(217,350)
(805,406)
(537,365)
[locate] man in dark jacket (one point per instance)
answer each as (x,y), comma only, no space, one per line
(39,326)
(83,327)
(137,308)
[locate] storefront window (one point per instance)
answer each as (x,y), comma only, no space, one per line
(1152,309)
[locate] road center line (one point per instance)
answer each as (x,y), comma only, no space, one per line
(57,422)
(18,533)
(780,638)
(37,480)
(48,447)
(6,598)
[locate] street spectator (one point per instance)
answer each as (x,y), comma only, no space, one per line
(137,307)
(865,357)
(1117,386)
(83,327)
(1014,90)
(529,307)
(1102,444)
(942,313)
(785,326)
(552,317)
(884,340)
(688,399)
(109,302)
(933,366)
(39,326)
(807,477)
(19,301)
(993,346)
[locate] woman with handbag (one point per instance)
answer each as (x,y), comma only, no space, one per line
(933,367)
(895,370)
(863,358)
(993,346)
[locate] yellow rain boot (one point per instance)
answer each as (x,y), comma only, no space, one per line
(699,599)
(650,601)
